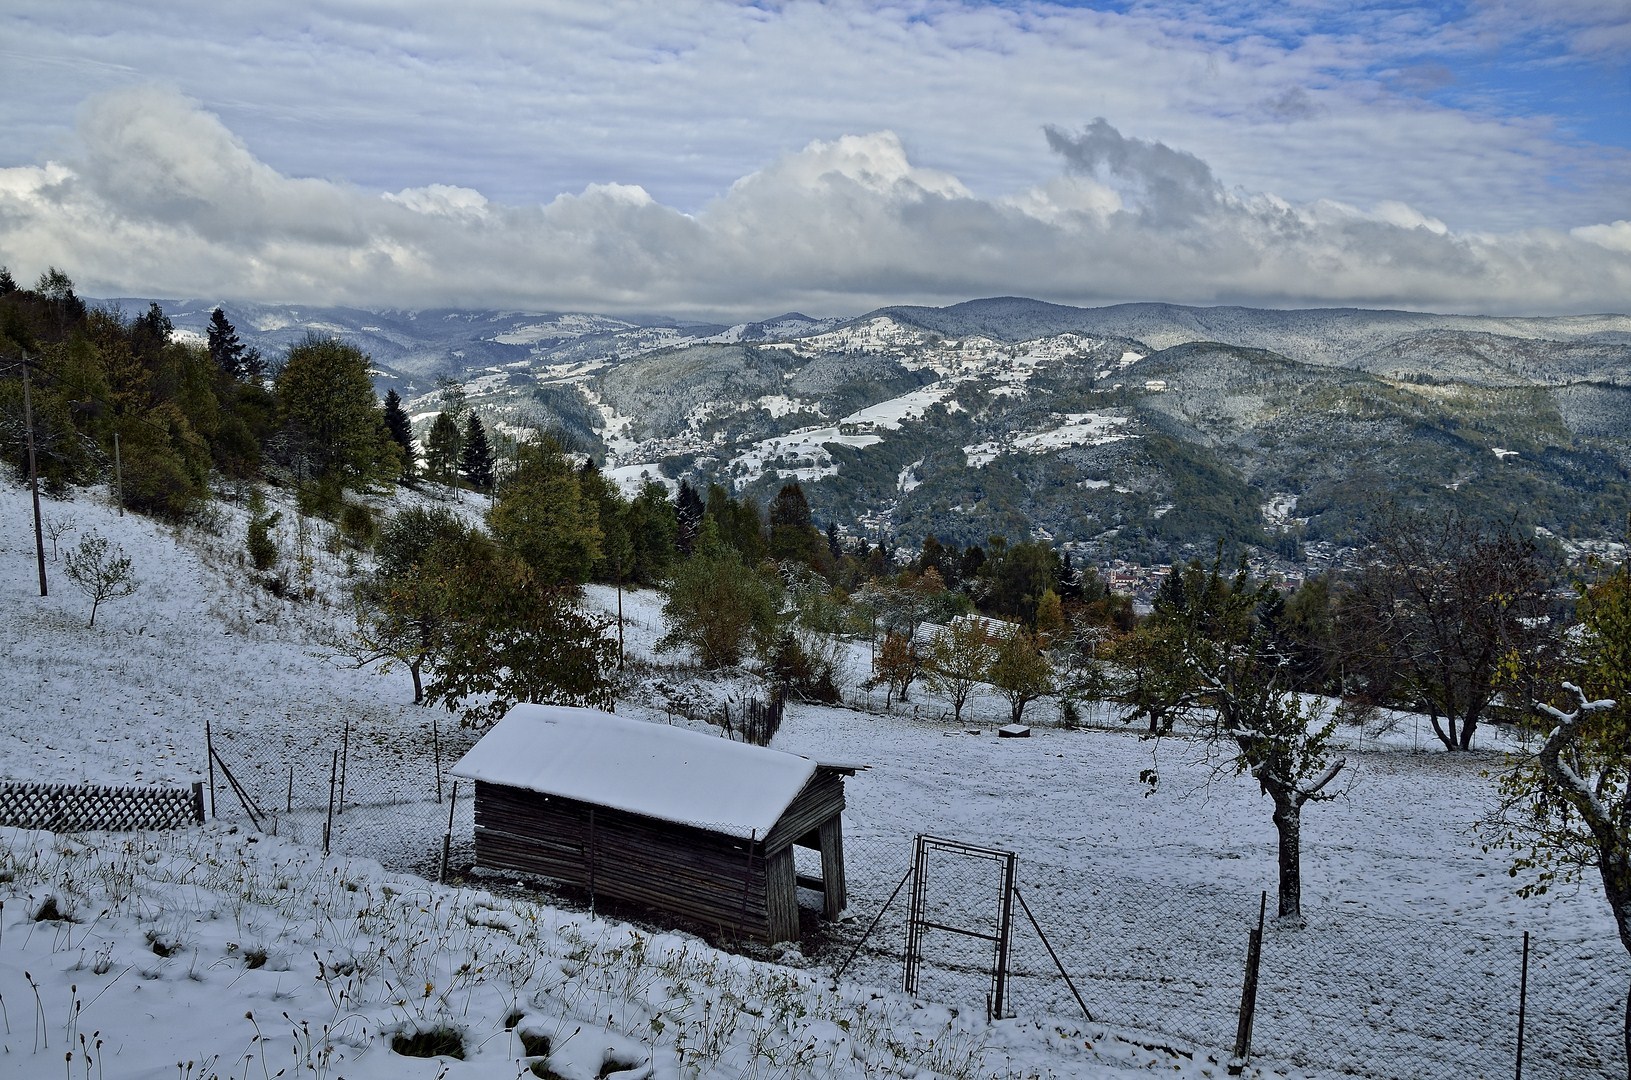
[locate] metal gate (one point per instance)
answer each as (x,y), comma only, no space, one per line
(941,903)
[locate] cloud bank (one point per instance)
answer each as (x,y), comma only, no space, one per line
(156,196)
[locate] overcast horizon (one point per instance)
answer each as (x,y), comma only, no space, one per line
(723,161)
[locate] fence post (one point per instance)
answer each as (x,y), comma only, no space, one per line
(345,759)
(436,741)
(333,780)
(447,837)
(288,802)
(209,755)
(1248,992)
(198,801)
(1523,1000)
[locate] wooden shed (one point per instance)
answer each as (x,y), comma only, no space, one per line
(677,820)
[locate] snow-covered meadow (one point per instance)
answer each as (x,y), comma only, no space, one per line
(245,954)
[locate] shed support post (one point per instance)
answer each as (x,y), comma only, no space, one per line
(834,894)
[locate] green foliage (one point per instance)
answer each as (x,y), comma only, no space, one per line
(716,604)
(653,530)
(263,552)
(448,601)
(958,661)
(331,425)
(99,569)
(1019,671)
(476,455)
(400,428)
(545,518)
(357,525)
(442,449)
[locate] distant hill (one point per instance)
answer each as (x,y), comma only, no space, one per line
(1144,431)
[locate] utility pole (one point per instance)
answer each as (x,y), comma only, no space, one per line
(118,476)
(33,477)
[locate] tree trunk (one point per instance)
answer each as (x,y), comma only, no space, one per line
(1468,726)
(1288,823)
(418,685)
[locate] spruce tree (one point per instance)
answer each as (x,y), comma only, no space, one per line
(401,429)
(476,455)
(224,347)
(442,449)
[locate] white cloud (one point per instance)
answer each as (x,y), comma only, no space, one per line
(160,198)
(1615,236)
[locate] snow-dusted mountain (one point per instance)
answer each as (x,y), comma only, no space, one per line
(1144,430)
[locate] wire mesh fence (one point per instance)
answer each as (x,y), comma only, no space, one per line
(1342,993)
(348,786)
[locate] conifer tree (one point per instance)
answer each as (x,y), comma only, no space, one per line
(401,429)
(442,449)
(476,455)
(224,346)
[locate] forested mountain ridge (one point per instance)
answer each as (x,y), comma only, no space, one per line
(1144,431)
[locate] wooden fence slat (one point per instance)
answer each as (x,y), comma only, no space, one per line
(95,807)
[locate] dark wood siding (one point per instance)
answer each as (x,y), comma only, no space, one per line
(708,877)
(746,887)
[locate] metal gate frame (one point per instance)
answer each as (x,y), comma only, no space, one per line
(917,923)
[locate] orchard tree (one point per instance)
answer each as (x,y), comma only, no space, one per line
(1570,804)
(1223,672)
(1020,671)
(403,609)
(1440,612)
(895,666)
(100,570)
(959,660)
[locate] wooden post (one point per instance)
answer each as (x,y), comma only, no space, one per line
(436,741)
(447,837)
(834,896)
(1248,992)
(33,478)
(209,754)
(333,781)
(198,801)
(345,759)
(1523,1000)
(118,477)
(288,803)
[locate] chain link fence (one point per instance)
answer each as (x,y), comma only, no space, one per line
(1343,993)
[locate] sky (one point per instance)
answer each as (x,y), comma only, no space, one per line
(718,160)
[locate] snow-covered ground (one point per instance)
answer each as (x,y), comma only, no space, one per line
(1146,896)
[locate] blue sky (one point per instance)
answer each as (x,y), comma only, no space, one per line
(711,158)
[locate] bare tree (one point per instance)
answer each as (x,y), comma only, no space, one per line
(1442,613)
(100,570)
(1227,677)
(57,527)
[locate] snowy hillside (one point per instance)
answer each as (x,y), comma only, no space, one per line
(239,952)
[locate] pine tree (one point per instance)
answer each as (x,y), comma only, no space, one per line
(476,455)
(442,449)
(224,347)
(690,512)
(401,429)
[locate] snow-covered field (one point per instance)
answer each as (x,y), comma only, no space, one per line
(279,960)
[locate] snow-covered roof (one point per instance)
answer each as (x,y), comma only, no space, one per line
(669,773)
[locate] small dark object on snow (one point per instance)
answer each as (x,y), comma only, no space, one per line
(1014,731)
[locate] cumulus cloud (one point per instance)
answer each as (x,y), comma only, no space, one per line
(160,198)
